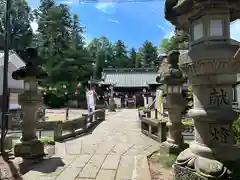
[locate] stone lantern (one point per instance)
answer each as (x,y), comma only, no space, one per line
(29,146)
(211,65)
(174,103)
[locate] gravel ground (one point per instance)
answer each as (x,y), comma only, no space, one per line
(60,114)
(158,168)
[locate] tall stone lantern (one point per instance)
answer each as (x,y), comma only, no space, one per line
(29,146)
(174,103)
(211,65)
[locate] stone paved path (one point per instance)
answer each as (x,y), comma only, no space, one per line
(116,150)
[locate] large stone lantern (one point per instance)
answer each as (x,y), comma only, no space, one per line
(29,146)
(211,64)
(174,103)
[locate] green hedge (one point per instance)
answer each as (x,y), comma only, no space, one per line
(47,140)
(236,128)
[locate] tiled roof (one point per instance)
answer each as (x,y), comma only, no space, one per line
(135,77)
(13,58)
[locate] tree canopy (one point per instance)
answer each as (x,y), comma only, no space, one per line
(179,41)
(66,57)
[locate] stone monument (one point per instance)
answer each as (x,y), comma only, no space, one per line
(174,103)
(29,146)
(211,67)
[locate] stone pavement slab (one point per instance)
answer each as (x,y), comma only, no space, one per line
(69,173)
(115,150)
(81,161)
(111,162)
(106,174)
(125,169)
(92,167)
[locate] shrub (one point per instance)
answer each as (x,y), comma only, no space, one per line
(47,140)
(236,128)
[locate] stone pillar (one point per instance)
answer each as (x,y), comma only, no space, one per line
(174,141)
(30,100)
(211,65)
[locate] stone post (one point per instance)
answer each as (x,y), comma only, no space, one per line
(111,100)
(175,104)
(211,65)
(29,146)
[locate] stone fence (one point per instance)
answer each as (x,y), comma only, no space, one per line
(157,129)
(66,129)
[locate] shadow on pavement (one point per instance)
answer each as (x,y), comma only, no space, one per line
(45,166)
(88,132)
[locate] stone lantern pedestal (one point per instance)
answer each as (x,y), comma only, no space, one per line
(211,65)
(29,146)
(174,104)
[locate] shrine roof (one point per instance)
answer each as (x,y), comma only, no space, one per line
(130,77)
(13,58)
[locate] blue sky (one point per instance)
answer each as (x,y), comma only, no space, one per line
(131,22)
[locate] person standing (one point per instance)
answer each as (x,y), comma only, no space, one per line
(126,101)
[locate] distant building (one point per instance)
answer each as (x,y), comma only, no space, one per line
(131,81)
(15,87)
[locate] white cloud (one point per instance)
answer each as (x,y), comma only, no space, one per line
(167,29)
(234,29)
(34,26)
(114,21)
(108,8)
(66,2)
(160,27)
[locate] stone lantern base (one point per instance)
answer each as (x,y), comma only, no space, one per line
(33,149)
(190,166)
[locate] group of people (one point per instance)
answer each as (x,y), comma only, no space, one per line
(125,99)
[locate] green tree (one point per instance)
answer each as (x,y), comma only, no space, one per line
(120,55)
(138,60)
(149,54)
(101,51)
(60,43)
(77,30)
(179,41)
(20,17)
(132,58)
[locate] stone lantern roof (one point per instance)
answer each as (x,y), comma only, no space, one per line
(33,65)
(179,11)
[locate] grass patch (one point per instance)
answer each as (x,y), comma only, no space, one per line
(187,122)
(47,140)
(163,157)
(169,160)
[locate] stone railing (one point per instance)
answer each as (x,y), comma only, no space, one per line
(157,129)
(188,131)
(154,128)
(67,129)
